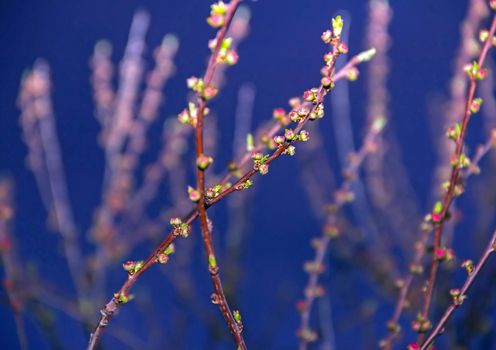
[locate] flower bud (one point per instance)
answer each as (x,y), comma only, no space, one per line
(216,20)
(203,161)
(337,25)
(309,96)
(326,36)
(194,195)
(289,134)
(476,104)
(343,48)
(304,135)
(279,139)
(327,82)
(263,169)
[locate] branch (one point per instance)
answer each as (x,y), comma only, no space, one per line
(458,161)
(203,162)
(12,270)
(310,111)
(420,249)
(342,196)
(461,294)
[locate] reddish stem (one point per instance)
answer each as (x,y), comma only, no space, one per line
(438,329)
(455,172)
(233,326)
(109,310)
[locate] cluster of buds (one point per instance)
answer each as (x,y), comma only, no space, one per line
(214,191)
(343,196)
(416,269)
(244,185)
(474,71)
(289,137)
(444,254)
(307,335)
(311,95)
(189,116)
(327,82)
(206,92)
(332,230)
(399,283)
(295,102)
(317,113)
(393,327)
(458,189)
(163,256)
(123,298)
(460,162)
(217,14)
(193,194)
(468,265)
(226,54)
(132,267)
(314,291)
(349,175)
(352,74)
(484,36)
(454,132)
(457,296)
(332,37)
(180,228)
(298,114)
(313,268)
(259,162)
(290,150)
(280,115)
(437,212)
(203,161)
(421,324)
(476,105)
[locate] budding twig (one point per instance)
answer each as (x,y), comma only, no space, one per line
(314,111)
(342,197)
(420,249)
(459,295)
(476,72)
(202,163)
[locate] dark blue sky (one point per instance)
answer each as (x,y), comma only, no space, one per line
(280,58)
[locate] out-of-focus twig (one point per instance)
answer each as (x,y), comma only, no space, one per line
(38,123)
(13,272)
(341,197)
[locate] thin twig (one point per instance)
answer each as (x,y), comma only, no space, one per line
(342,197)
(12,270)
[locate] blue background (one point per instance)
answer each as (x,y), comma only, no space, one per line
(280,58)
